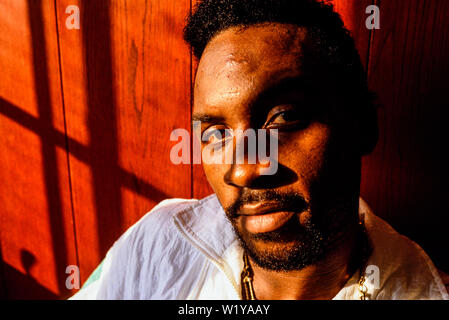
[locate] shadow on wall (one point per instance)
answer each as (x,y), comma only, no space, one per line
(48,150)
(26,287)
(101,156)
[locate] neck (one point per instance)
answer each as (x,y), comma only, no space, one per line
(321,281)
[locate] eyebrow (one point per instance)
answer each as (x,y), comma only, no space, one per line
(299,83)
(277,92)
(203,117)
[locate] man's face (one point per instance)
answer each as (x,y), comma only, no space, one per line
(255,78)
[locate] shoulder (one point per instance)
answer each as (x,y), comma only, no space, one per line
(154,227)
(406,271)
(158,220)
(445,278)
(132,267)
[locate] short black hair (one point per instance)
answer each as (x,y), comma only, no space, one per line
(331,45)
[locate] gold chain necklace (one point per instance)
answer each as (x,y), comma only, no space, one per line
(247,280)
(247,272)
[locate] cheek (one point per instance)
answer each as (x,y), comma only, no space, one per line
(305,151)
(211,172)
(215,176)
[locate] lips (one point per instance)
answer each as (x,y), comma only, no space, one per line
(264,217)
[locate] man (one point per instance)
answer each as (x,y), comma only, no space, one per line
(291,69)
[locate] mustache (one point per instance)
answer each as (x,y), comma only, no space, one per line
(291,200)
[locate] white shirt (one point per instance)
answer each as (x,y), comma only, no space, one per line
(187,249)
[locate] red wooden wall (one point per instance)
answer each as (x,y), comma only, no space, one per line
(86,116)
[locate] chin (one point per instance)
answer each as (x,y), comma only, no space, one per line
(278,252)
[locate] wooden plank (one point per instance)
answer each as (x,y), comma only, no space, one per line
(126,77)
(37,239)
(405,179)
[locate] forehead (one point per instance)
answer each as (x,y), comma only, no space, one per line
(240,63)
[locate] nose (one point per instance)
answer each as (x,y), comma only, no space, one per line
(246,169)
(250,176)
(243,175)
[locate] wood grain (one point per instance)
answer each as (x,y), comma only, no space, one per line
(405,179)
(37,239)
(126,75)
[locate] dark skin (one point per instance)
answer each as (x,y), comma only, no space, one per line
(253,78)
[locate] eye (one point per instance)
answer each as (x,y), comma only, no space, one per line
(283,117)
(214,135)
(287,119)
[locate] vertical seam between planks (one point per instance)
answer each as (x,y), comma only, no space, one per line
(192,189)
(370,45)
(66,136)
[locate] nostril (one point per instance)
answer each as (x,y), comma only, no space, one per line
(241,175)
(250,176)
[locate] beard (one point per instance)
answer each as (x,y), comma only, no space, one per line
(296,244)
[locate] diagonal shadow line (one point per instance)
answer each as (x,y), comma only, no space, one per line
(52,180)
(104,133)
(79,151)
(26,287)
